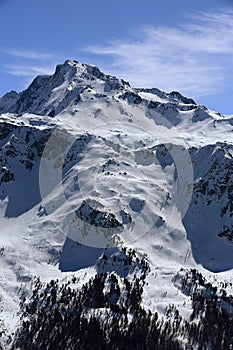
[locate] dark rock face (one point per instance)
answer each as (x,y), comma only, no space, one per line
(91,214)
(182,98)
(8,100)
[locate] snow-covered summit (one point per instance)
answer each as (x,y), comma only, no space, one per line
(73,82)
(49,95)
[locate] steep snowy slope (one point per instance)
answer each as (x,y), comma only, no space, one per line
(89,163)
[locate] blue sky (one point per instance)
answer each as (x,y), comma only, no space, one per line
(173,45)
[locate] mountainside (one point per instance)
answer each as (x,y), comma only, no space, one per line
(116,208)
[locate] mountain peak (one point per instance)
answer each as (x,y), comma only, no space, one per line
(76,69)
(69,66)
(52,94)
(8,100)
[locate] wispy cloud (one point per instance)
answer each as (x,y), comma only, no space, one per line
(34,55)
(27,64)
(194,58)
(29,71)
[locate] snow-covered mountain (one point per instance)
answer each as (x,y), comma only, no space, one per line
(110,185)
